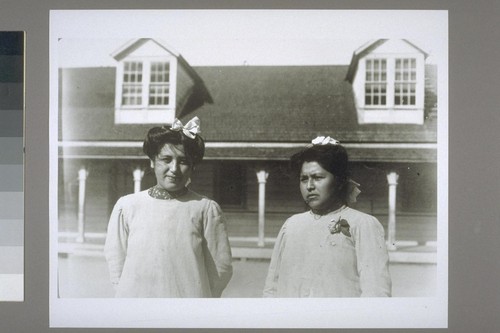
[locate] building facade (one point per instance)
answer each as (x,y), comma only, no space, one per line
(381,107)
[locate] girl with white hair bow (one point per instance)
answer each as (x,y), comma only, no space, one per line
(168,241)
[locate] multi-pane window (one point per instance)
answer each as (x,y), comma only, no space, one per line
(146,83)
(132,83)
(159,83)
(391,82)
(405,81)
(376,82)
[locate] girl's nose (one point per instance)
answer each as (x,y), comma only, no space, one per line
(174,166)
(310,184)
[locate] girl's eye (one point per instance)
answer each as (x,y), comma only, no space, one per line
(185,162)
(312,177)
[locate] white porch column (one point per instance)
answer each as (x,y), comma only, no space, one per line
(392,181)
(82,178)
(138,174)
(262,179)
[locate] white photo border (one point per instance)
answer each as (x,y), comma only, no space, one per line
(423,312)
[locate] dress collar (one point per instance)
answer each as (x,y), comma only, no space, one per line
(159,192)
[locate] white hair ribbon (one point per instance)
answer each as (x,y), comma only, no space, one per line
(190,130)
(324,140)
(353,191)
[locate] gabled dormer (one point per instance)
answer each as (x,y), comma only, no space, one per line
(388,80)
(154,84)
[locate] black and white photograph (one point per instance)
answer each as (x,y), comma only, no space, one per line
(249,168)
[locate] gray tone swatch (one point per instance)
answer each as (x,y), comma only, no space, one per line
(11,97)
(11,232)
(11,179)
(11,124)
(11,205)
(11,259)
(11,150)
(11,68)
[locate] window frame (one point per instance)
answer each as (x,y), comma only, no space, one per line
(391,83)
(377,71)
(145,112)
(408,82)
(133,84)
(146,83)
(159,84)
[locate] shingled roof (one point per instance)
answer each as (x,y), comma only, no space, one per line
(251,104)
(292,104)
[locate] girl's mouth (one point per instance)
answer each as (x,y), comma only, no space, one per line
(311,197)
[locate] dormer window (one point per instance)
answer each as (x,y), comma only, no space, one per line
(145,83)
(144,95)
(154,84)
(388,79)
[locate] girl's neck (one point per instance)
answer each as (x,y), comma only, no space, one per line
(332,208)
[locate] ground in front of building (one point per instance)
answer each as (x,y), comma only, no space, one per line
(87,277)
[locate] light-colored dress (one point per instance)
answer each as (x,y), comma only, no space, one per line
(168,247)
(310,261)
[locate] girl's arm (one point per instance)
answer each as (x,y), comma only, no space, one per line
(218,259)
(115,247)
(271,284)
(373,259)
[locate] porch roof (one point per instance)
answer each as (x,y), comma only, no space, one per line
(228,151)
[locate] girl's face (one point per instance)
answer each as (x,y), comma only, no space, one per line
(172,168)
(318,187)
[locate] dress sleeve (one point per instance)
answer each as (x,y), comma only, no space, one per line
(217,250)
(373,259)
(115,247)
(271,283)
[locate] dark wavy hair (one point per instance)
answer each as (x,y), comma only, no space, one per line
(332,158)
(157,137)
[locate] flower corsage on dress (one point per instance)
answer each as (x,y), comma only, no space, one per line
(340,226)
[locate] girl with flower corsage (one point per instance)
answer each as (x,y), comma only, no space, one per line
(169,241)
(332,250)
